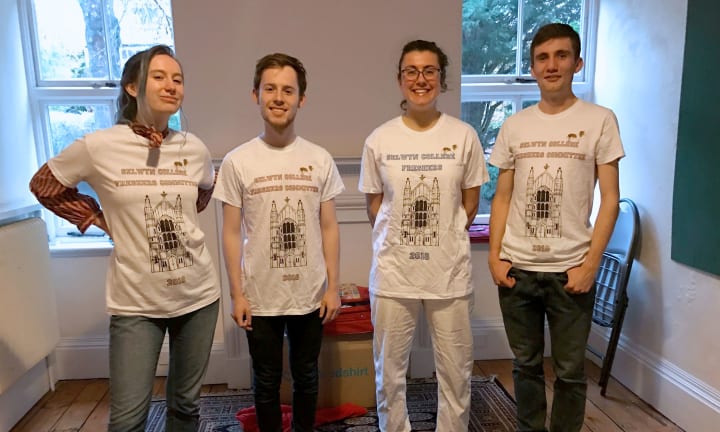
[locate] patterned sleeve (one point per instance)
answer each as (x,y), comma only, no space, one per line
(79,209)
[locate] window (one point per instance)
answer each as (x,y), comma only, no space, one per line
(74,53)
(496,80)
(288,231)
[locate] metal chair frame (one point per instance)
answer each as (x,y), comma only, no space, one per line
(611,299)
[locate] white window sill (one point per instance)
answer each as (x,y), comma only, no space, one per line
(79,247)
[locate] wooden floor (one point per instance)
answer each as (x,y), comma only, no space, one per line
(82,405)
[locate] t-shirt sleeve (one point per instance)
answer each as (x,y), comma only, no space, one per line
(333,182)
(501,155)
(610,146)
(73,165)
(370,180)
(228,188)
(475,169)
(208,173)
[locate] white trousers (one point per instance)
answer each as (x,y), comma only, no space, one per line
(395,320)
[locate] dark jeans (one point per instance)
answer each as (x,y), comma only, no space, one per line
(537,295)
(266,348)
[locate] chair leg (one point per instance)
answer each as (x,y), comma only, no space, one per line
(611,349)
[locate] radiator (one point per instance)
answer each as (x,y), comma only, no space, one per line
(28,316)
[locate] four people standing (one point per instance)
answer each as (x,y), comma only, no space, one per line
(421,173)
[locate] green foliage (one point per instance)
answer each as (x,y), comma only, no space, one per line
(490,44)
(537,13)
(489,36)
(490,29)
(487,192)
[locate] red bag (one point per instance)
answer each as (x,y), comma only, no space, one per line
(354,316)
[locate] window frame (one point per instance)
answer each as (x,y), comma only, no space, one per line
(516,88)
(43,93)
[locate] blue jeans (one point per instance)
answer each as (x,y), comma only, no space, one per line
(266,349)
(524,308)
(135,343)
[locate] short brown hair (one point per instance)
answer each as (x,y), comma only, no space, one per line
(280,60)
(555,31)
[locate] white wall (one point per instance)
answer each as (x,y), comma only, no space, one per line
(350,50)
(671,349)
(17,162)
(17,145)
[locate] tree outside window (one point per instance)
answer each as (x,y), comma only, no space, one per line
(496,80)
(76,50)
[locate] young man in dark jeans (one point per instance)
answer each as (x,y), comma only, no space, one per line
(544,253)
(279,189)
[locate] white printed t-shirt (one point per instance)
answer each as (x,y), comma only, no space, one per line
(159,267)
(279,191)
(554,157)
(421,248)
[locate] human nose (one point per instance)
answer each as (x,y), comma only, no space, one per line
(277,97)
(552,63)
(421,79)
(170,85)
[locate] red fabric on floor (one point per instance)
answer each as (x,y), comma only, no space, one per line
(346,410)
(248,418)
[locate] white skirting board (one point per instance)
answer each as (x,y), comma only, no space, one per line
(690,403)
(679,396)
(87,358)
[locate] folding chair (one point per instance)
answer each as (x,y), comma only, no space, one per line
(611,299)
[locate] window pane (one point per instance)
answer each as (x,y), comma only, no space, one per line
(487,117)
(142,24)
(69,122)
(489,37)
(66,124)
(92,39)
(62,47)
(529,102)
(537,13)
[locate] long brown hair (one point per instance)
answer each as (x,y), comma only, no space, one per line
(136,71)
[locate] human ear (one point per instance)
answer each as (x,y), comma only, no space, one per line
(579,64)
(131,89)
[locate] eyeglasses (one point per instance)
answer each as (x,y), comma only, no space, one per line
(430,73)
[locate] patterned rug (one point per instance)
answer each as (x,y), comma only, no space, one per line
(492,410)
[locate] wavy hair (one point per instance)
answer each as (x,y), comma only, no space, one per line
(136,71)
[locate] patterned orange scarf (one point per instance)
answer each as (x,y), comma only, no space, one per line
(153,135)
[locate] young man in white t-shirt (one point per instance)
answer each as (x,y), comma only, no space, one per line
(279,189)
(544,253)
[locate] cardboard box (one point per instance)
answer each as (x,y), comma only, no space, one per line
(346,369)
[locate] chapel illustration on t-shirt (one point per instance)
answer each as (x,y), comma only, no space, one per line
(166,236)
(543,203)
(421,213)
(288,242)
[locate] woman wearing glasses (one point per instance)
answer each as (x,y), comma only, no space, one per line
(421,173)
